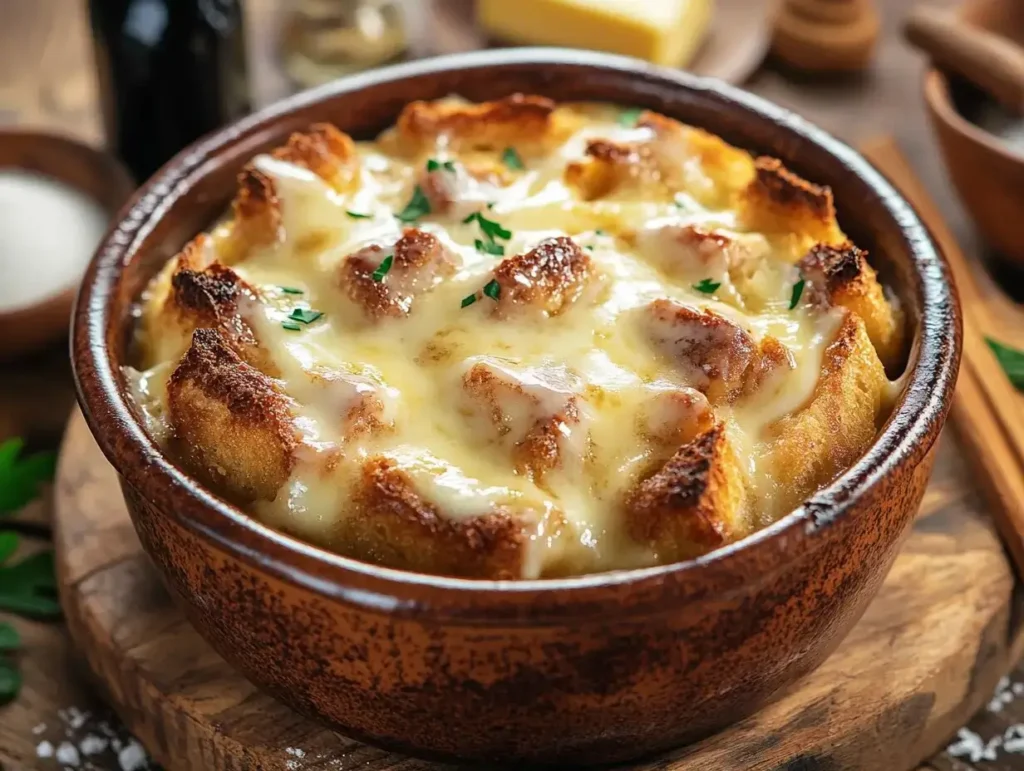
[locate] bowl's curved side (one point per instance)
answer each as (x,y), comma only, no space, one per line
(596,668)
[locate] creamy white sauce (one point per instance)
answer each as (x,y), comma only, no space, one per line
(48,232)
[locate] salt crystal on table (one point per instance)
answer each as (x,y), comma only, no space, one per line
(92,745)
(67,754)
(132,757)
(44,750)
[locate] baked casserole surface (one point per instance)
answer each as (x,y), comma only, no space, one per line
(518,339)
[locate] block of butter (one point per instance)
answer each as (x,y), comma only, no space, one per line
(667,32)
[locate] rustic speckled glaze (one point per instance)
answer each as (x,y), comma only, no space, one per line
(591,669)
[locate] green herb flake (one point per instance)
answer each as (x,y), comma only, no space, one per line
(434,165)
(512,159)
(493,289)
(358,215)
(29,587)
(304,315)
(589,248)
(290,326)
(21,478)
(600,232)
(1011,360)
(10,681)
(489,247)
(417,207)
(707,286)
(628,118)
(798,290)
(382,269)
(493,230)
(468,300)
(290,290)
(9,639)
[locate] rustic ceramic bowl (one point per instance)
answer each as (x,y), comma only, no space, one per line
(591,669)
(96,174)
(986,172)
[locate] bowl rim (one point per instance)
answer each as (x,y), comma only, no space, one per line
(911,429)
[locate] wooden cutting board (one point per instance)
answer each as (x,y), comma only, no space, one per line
(924,658)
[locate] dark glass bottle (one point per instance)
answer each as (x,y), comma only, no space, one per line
(169,71)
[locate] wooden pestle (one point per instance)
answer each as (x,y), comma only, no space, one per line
(991,62)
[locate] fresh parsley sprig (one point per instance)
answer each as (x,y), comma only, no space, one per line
(10,677)
(707,286)
(490,228)
(418,206)
(383,268)
(1011,360)
(21,477)
(798,290)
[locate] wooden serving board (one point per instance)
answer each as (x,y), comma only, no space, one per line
(927,654)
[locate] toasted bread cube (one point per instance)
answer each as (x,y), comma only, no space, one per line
(536,412)
(546,280)
(392,523)
(674,416)
(363,404)
(327,152)
(712,352)
(772,360)
(231,425)
(810,447)
(419,262)
(257,218)
(513,121)
(841,276)
(781,203)
(458,191)
(692,504)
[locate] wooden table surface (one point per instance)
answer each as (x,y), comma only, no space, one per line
(46,81)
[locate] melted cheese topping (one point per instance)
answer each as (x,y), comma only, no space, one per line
(597,355)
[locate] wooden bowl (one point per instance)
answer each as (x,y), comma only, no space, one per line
(101,177)
(986,172)
(597,668)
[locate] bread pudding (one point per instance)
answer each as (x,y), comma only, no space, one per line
(518,339)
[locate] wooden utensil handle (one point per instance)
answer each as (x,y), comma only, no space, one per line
(993,63)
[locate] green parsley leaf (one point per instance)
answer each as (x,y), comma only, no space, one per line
(20,478)
(489,247)
(589,248)
(9,639)
(291,290)
(358,215)
(8,545)
(629,117)
(10,681)
(493,230)
(290,326)
(417,207)
(382,269)
(707,286)
(600,232)
(493,289)
(433,165)
(798,290)
(29,587)
(1011,360)
(468,300)
(305,315)
(511,159)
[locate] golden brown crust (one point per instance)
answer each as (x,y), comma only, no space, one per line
(391,524)
(809,447)
(772,359)
(419,262)
(549,278)
(693,503)
(257,220)
(514,120)
(325,151)
(778,201)
(841,276)
(674,417)
(231,424)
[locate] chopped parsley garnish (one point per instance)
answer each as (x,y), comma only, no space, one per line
(493,289)
(489,247)
(290,290)
(417,207)
(628,118)
(468,300)
(589,248)
(1011,360)
(600,232)
(291,326)
(707,286)
(358,215)
(433,165)
(511,159)
(305,315)
(798,290)
(493,230)
(383,268)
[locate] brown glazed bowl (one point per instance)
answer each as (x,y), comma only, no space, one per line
(597,668)
(986,171)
